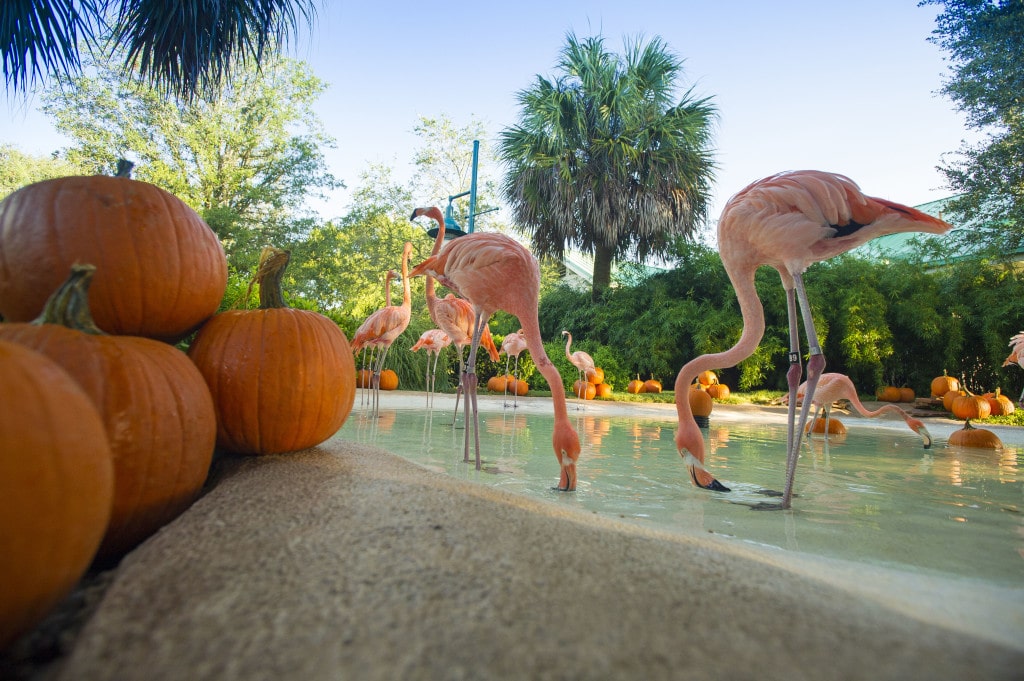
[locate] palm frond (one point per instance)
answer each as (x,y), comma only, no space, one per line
(42,38)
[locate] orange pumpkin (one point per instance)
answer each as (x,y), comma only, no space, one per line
(388,380)
(719,391)
(701,403)
(652,385)
(596,376)
(947,399)
(584,389)
(943,384)
(517,386)
(971,407)
(604,390)
(497,384)
(706,378)
(364,378)
(155,407)
(56,482)
(635,386)
(161,270)
(969,436)
(907,395)
(835,426)
(888,393)
(282,379)
(1000,404)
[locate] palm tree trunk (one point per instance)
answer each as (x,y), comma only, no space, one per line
(602,271)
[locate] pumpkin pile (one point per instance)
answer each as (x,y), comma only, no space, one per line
(508,384)
(593,386)
(963,404)
(108,430)
(708,381)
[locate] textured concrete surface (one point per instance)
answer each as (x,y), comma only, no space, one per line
(345,562)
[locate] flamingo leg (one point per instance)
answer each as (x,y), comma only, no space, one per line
(504,395)
(471,383)
(376,380)
(815,366)
(515,395)
(459,388)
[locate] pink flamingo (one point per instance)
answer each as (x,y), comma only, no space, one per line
(787,221)
(453,315)
(365,346)
(1016,357)
(513,346)
(433,341)
(833,387)
(583,362)
(385,325)
(494,272)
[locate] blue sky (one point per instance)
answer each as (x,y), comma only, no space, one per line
(846,86)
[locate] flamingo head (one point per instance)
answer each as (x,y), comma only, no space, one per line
(690,443)
(567,450)
(919,428)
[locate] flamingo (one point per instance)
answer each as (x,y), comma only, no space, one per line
(363,329)
(385,325)
(1016,357)
(788,221)
(494,272)
(433,341)
(583,362)
(833,387)
(513,346)
(454,315)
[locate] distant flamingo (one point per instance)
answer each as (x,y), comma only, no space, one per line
(583,362)
(385,325)
(368,348)
(788,221)
(833,387)
(494,272)
(453,315)
(433,341)
(513,346)
(1016,357)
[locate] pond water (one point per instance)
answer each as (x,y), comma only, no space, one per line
(873,496)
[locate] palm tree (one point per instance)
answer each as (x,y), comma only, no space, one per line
(184,48)
(603,160)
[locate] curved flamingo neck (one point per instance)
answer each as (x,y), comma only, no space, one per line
(406,289)
(753,330)
(535,344)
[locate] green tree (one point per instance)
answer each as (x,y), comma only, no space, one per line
(246,159)
(183,48)
(444,167)
(18,169)
(604,160)
(985,41)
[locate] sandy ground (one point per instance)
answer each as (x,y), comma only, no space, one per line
(346,562)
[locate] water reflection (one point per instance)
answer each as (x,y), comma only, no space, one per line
(874,495)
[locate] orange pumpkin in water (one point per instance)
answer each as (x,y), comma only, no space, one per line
(835,426)
(701,403)
(969,436)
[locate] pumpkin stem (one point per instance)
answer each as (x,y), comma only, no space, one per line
(273,261)
(69,304)
(124,168)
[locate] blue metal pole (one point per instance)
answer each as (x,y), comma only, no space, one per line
(472,187)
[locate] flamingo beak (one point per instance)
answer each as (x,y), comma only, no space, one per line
(415,213)
(700,475)
(567,481)
(923,432)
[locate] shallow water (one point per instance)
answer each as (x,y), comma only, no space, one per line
(873,496)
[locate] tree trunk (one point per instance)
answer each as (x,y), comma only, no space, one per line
(602,271)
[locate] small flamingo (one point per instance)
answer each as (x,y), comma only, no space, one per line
(787,221)
(583,362)
(833,387)
(367,348)
(513,346)
(1016,357)
(385,325)
(494,272)
(433,341)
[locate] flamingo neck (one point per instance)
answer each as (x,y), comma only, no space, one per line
(535,344)
(406,289)
(753,330)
